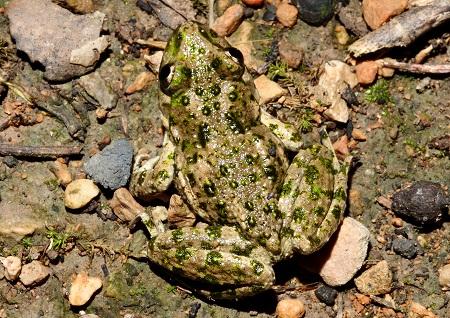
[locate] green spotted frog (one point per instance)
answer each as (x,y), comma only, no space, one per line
(227,160)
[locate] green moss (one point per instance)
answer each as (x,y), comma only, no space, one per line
(311,174)
(214,231)
(299,214)
(257,266)
(213,258)
(177,235)
(286,188)
(378,93)
(182,254)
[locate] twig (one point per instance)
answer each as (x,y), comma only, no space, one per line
(39,151)
(210,13)
(417,68)
(152,43)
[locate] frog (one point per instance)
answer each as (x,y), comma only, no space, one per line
(228,160)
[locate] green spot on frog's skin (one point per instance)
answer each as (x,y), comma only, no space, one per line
(214,231)
(271,172)
(250,220)
(171,120)
(257,266)
(311,174)
(210,188)
(182,254)
(210,279)
(224,171)
(315,192)
(249,159)
(185,100)
(249,205)
(336,212)
(162,175)
(202,206)
(328,164)
(199,91)
(213,258)
(252,177)
(232,96)
(141,177)
(233,123)
(318,210)
(234,184)
(203,134)
(216,62)
(340,194)
(177,235)
(222,208)
(186,72)
(314,149)
(192,159)
(295,137)
(206,110)
(186,145)
(273,127)
(272,208)
(191,179)
(299,214)
(243,251)
(287,232)
(206,245)
(286,188)
(201,50)
(171,156)
(215,90)
(216,105)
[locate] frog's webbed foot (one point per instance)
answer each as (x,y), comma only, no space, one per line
(217,258)
(153,175)
(287,133)
(313,197)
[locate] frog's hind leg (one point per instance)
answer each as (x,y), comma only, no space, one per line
(313,198)
(216,258)
(287,133)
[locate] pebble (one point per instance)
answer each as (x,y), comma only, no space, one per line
(61,172)
(227,23)
(377,12)
(342,36)
(343,256)
(98,88)
(315,12)
(253,3)
(404,247)
(82,289)
(17,220)
(79,193)
(386,72)
(291,54)
(112,166)
(444,277)
(290,308)
(423,84)
(341,145)
(326,294)
(366,72)
(397,222)
(12,265)
(154,60)
(34,273)
(141,81)
(417,310)
(376,280)
(358,134)
(287,14)
(423,202)
(268,90)
(125,206)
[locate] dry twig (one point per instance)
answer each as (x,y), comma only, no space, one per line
(417,68)
(39,151)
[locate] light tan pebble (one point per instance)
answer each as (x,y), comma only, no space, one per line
(101,113)
(397,222)
(61,172)
(154,60)
(381,239)
(417,310)
(227,23)
(341,145)
(377,12)
(34,273)
(287,14)
(125,206)
(422,241)
(290,308)
(444,277)
(268,90)
(366,72)
(13,266)
(358,134)
(407,96)
(290,53)
(82,288)
(253,3)
(79,193)
(386,72)
(341,34)
(141,81)
(376,280)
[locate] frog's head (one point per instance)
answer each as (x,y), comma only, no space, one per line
(195,56)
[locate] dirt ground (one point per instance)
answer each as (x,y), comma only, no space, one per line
(399,122)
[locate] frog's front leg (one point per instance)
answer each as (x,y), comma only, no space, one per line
(153,175)
(217,258)
(313,198)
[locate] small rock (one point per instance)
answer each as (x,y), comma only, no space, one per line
(268,90)
(397,222)
(386,72)
(418,311)
(342,36)
(423,85)
(404,247)
(10,161)
(63,39)
(229,21)
(287,14)
(141,81)
(62,172)
(358,134)
(112,166)
(343,256)
(253,3)
(17,221)
(423,202)
(326,294)
(366,72)
(12,265)
(34,273)
(377,12)
(444,277)
(79,193)
(315,12)
(290,53)
(92,316)
(290,308)
(376,280)
(341,145)
(96,87)
(125,206)
(82,289)
(351,17)
(154,60)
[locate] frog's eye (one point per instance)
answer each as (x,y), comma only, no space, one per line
(166,76)
(235,55)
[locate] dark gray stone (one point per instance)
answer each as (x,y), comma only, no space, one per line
(111,168)
(404,247)
(326,295)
